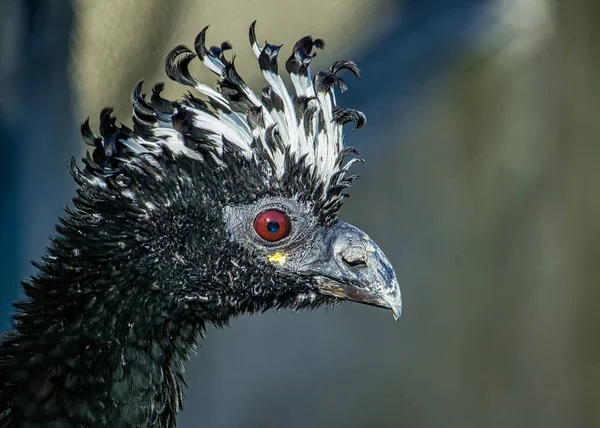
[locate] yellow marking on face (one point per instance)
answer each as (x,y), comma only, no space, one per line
(366,237)
(279,258)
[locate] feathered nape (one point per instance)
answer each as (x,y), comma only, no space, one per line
(279,131)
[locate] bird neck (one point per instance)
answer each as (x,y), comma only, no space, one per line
(102,343)
(96,358)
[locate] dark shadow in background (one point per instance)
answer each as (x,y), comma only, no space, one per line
(37,134)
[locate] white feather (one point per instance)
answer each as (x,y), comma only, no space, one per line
(320,140)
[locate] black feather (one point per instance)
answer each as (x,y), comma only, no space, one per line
(177,68)
(143,259)
(267,61)
(345,115)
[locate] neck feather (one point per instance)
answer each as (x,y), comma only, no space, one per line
(101,358)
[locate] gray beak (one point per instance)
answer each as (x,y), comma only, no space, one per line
(347,264)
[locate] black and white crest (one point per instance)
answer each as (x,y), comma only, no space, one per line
(278,131)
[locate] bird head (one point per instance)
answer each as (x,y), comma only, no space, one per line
(229,203)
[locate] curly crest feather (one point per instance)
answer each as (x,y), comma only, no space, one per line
(278,131)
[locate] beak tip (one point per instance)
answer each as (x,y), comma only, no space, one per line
(396,311)
(394,301)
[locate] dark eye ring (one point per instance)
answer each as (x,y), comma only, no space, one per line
(272,225)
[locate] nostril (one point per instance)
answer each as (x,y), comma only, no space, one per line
(354,262)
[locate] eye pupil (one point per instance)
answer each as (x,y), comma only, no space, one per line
(272,226)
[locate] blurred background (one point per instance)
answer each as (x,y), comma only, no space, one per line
(481,185)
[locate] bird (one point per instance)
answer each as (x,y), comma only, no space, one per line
(221,203)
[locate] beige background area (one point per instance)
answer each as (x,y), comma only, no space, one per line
(116,43)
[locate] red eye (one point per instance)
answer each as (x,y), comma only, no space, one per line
(272,225)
